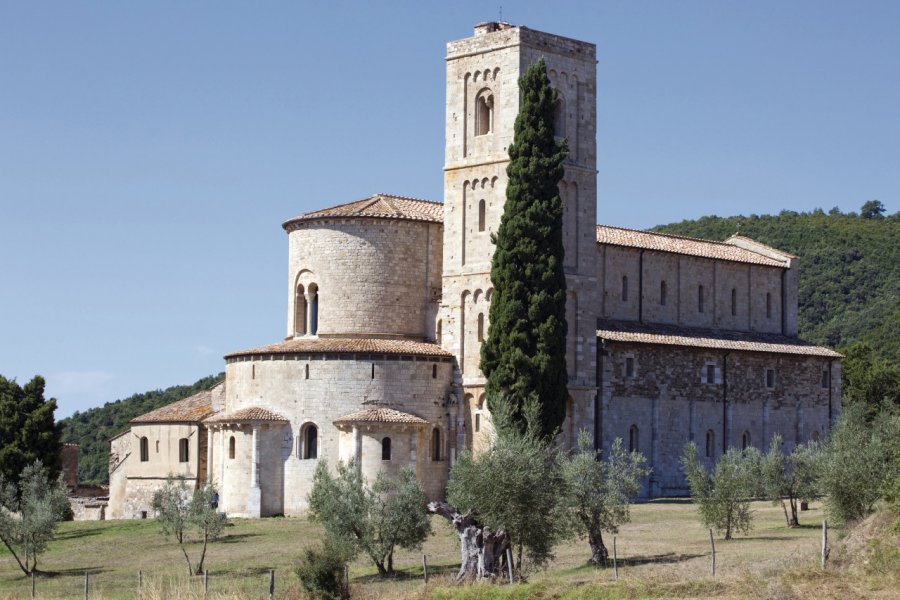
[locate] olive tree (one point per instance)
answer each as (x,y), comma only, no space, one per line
(601,491)
(30,513)
(378,518)
(791,478)
(723,494)
(180,511)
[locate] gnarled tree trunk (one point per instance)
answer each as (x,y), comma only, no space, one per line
(483,552)
(599,553)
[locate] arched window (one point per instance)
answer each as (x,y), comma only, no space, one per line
(313,309)
(768,305)
(386,449)
(733,302)
(231,444)
(145,450)
(480,327)
(559,116)
(183,450)
(310,441)
(633,441)
(481,216)
(710,443)
(300,311)
(662,293)
(435,444)
(624,288)
(700,299)
(484,113)
(745,440)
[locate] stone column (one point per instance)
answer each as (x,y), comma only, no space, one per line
(209,455)
(357,446)
(309,311)
(254,495)
(222,455)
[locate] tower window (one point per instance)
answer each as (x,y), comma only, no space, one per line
(662,293)
(733,302)
(826,379)
(624,288)
(700,299)
(710,373)
(770,378)
(633,441)
(480,327)
(434,371)
(300,311)
(629,367)
(481,215)
(745,440)
(710,443)
(386,449)
(310,441)
(231,444)
(306,371)
(435,444)
(484,113)
(145,450)
(183,450)
(559,116)
(313,309)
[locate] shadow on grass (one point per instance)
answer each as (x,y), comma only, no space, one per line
(80,571)
(667,501)
(653,559)
(233,538)
(77,533)
(408,574)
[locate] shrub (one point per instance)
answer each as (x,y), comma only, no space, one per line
(322,571)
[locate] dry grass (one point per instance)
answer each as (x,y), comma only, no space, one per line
(663,553)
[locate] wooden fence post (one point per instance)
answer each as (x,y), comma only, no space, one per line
(615,560)
(271,583)
(824,542)
(509,565)
(712,543)
(32,584)
(425,568)
(85,585)
(140,581)
(205,581)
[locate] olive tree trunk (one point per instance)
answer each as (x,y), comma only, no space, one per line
(483,552)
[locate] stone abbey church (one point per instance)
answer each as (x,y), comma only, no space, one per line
(670,340)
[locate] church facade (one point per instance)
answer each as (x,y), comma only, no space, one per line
(670,339)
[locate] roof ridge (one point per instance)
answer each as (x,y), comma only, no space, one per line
(409,198)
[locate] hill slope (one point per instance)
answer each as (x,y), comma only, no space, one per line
(849,270)
(95,427)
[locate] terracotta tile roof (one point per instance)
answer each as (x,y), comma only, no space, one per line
(379,206)
(380,415)
(345,346)
(192,409)
(670,335)
(250,413)
(662,242)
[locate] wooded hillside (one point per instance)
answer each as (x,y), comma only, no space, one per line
(849,269)
(94,428)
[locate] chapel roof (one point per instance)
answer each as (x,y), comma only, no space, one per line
(379,206)
(243,415)
(664,242)
(192,409)
(672,335)
(346,346)
(380,415)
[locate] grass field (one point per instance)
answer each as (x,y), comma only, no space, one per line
(664,552)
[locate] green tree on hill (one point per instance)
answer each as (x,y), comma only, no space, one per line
(524,356)
(28,431)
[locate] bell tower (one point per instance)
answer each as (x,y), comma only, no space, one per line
(482,105)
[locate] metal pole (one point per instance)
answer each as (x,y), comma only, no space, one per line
(824,542)
(425,568)
(713,544)
(615,560)
(271,584)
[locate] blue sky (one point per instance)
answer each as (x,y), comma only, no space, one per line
(150,151)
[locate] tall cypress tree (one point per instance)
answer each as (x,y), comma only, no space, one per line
(524,357)
(28,431)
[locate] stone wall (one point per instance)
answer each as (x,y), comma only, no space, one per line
(337,386)
(669,402)
(375,277)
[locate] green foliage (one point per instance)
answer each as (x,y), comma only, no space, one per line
(517,486)
(601,491)
(873,209)
(849,271)
(389,514)
(868,379)
(30,513)
(28,431)
(94,428)
(180,510)
(524,357)
(793,477)
(321,571)
(862,462)
(723,495)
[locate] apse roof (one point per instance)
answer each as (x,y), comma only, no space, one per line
(380,415)
(379,206)
(345,346)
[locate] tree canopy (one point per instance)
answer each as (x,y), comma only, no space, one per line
(524,357)
(28,431)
